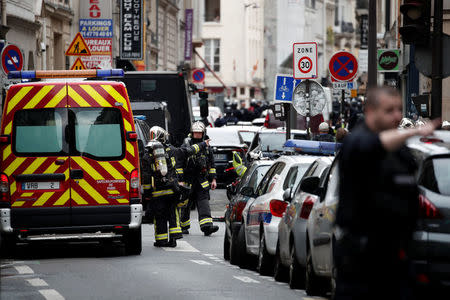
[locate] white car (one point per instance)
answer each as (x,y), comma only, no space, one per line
(266,206)
(214,112)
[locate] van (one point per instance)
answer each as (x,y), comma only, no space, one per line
(69,161)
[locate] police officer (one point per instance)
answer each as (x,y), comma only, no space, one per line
(200,173)
(161,184)
(324,135)
(378,203)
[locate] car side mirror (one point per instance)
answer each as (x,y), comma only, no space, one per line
(310,185)
(287,195)
(247,191)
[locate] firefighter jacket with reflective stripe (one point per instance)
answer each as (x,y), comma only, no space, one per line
(156,185)
(201,166)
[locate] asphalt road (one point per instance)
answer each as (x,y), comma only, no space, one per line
(193,270)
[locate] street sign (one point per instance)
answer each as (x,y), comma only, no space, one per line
(284,86)
(343,85)
(305,60)
(78,47)
(312,103)
(388,60)
(198,75)
(343,66)
(12,59)
(78,65)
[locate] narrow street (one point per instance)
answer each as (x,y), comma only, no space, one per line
(194,270)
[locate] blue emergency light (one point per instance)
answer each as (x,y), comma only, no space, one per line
(140,117)
(312,147)
(65,74)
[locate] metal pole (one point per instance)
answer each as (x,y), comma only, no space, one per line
(372,74)
(308,115)
(287,113)
(342,106)
(436,93)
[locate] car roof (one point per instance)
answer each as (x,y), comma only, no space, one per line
(226,129)
(291,159)
(280,130)
(437,144)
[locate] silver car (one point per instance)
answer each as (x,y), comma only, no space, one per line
(291,248)
(261,216)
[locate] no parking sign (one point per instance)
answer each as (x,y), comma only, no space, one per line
(343,66)
(305,60)
(12,59)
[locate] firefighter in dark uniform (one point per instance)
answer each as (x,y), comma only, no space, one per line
(200,173)
(161,183)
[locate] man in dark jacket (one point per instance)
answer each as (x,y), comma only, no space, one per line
(378,203)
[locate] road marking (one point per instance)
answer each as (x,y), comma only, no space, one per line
(37,282)
(246,279)
(207,254)
(24,269)
(182,246)
(51,295)
(201,262)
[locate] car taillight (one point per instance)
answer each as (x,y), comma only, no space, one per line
(238,208)
(134,184)
(427,210)
(277,207)
(229,169)
(266,122)
(4,188)
(307,207)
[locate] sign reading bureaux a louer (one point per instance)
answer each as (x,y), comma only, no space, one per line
(96,27)
(131,33)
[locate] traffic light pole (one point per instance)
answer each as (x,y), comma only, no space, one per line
(436,93)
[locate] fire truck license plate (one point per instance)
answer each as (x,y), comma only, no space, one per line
(53,185)
(220,156)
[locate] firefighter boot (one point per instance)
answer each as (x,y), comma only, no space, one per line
(208,230)
(172,243)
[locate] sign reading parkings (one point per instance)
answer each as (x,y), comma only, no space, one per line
(305,60)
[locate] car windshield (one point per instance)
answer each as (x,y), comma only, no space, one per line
(220,137)
(436,176)
(272,141)
(247,136)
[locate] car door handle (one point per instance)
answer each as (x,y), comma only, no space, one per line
(76,174)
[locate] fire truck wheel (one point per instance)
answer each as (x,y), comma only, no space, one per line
(133,241)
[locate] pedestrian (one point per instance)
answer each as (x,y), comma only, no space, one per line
(161,185)
(324,135)
(378,203)
(200,173)
(341,133)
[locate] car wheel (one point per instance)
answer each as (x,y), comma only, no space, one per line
(279,271)
(312,287)
(234,248)
(296,271)
(226,246)
(133,241)
(265,260)
(243,258)
(7,245)
(333,282)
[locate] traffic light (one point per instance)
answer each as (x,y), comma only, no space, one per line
(416,21)
(203,103)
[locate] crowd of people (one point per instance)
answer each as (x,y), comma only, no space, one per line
(233,114)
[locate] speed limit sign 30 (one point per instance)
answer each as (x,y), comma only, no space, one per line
(305,60)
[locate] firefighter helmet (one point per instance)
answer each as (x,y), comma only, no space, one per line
(159,134)
(198,127)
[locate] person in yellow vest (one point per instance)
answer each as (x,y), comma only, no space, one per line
(238,166)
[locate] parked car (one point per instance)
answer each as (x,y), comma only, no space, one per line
(290,258)
(233,214)
(224,141)
(320,273)
(246,132)
(431,243)
(213,111)
(269,143)
(262,215)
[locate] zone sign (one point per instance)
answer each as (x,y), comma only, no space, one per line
(305,60)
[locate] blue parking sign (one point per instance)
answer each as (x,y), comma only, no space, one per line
(284,87)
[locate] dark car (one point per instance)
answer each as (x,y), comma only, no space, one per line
(431,243)
(269,143)
(233,214)
(223,142)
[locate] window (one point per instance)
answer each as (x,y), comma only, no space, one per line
(336,13)
(212,10)
(311,3)
(39,131)
(257,175)
(98,132)
(268,179)
(436,175)
(212,54)
(294,176)
(148,85)
(242,90)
